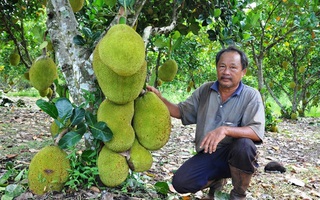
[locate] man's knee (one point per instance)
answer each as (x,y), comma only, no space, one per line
(244,155)
(182,184)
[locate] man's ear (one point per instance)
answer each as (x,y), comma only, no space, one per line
(244,72)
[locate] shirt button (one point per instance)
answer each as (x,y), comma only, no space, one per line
(220,106)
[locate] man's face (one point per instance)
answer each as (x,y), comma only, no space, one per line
(229,70)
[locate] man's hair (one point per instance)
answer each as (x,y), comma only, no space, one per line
(243,56)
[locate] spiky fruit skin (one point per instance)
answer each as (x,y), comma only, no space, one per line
(168,70)
(42,73)
(118,89)
(140,158)
(118,118)
(48,170)
(14,59)
(151,121)
(76,5)
(122,50)
(113,168)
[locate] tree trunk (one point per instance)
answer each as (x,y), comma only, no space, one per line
(72,59)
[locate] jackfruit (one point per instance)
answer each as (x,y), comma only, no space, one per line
(168,70)
(122,50)
(118,89)
(151,121)
(48,170)
(44,93)
(50,93)
(26,76)
(113,167)
(76,5)
(14,59)
(140,158)
(54,129)
(42,73)
(118,118)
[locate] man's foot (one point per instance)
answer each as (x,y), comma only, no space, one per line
(216,185)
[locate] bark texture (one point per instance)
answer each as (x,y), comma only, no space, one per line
(73,60)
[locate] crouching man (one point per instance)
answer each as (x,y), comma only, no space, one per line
(230,120)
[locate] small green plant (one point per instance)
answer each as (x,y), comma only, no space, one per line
(12,182)
(271,120)
(84,170)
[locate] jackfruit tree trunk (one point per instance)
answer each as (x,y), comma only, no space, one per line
(73,60)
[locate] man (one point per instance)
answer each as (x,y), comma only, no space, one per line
(230,119)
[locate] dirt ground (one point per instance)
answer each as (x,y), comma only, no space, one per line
(25,130)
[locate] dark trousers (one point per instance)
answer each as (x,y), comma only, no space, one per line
(195,173)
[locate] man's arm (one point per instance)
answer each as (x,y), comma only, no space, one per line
(212,139)
(173,108)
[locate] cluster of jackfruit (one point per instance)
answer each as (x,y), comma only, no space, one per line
(42,74)
(140,123)
(48,170)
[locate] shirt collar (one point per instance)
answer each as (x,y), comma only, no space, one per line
(215,87)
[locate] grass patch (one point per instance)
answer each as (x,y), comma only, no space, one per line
(31,92)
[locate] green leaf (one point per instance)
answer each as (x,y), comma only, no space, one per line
(217,12)
(70,139)
(96,36)
(90,118)
(48,108)
(64,108)
(79,40)
(177,44)
(160,43)
(101,131)
(98,3)
(20,175)
(111,3)
(81,128)
(43,45)
(78,116)
(14,190)
(176,35)
(59,124)
(87,32)
(162,187)
(5,177)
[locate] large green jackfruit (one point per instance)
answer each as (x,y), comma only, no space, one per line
(48,170)
(168,70)
(118,118)
(42,73)
(113,167)
(122,50)
(140,158)
(118,89)
(151,121)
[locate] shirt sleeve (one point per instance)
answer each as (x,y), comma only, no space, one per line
(254,115)
(189,108)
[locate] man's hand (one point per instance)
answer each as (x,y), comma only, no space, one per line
(212,139)
(154,90)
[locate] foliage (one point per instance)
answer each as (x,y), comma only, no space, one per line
(73,122)
(12,182)
(84,171)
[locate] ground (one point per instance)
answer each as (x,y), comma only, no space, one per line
(24,130)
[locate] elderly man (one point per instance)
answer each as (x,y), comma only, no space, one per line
(230,119)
